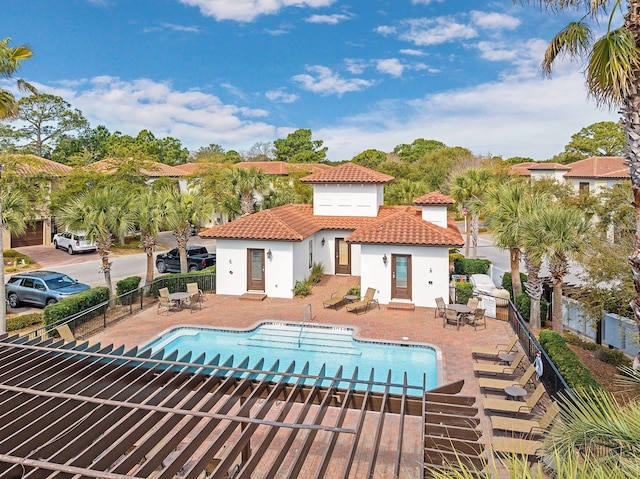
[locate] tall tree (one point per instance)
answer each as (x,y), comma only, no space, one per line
(246,183)
(11,59)
(416,150)
(42,120)
(298,147)
(260,151)
(403,191)
(103,214)
(184,209)
(152,215)
(605,138)
(370,158)
(613,78)
(468,188)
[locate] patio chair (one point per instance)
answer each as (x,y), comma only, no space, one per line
(451,317)
(365,303)
(476,317)
(337,297)
(65,333)
(167,305)
(473,303)
(497,349)
(515,407)
(500,384)
(511,445)
(195,297)
(440,307)
(530,427)
(164,292)
(483,368)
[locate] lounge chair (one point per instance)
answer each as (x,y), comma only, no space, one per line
(484,368)
(337,297)
(497,349)
(440,307)
(515,407)
(451,317)
(510,445)
(526,426)
(365,303)
(476,317)
(500,384)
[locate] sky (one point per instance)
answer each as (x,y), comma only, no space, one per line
(360,74)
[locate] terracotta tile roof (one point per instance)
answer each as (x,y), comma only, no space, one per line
(348,173)
(30,165)
(154,170)
(548,166)
(400,224)
(522,169)
(407,228)
(433,198)
(599,167)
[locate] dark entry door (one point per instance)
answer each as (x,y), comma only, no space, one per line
(343,257)
(400,276)
(255,269)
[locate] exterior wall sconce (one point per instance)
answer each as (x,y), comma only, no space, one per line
(430,270)
(322,242)
(269,255)
(384,259)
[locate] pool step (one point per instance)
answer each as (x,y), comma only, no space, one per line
(311,339)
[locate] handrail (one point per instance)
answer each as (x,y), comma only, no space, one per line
(304,317)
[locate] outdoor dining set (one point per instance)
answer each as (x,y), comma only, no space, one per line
(460,314)
(177,300)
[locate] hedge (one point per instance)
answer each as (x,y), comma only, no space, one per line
(464,291)
(506,281)
(471,266)
(23,321)
(567,362)
(128,285)
(523,304)
(178,281)
(55,313)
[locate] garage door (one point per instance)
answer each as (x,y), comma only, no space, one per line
(32,235)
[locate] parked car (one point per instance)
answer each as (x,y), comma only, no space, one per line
(41,288)
(197,258)
(73,242)
(482,283)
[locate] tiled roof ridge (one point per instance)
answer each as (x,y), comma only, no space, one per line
(348,173)
(433,198)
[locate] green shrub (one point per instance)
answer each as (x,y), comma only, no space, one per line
(16,257)
(355,291)
(566,361)
(23,321)
(128,285)
(55,313)
(471,266)
(464,291)
(302,288)
(523,304)
(454,256)
(317,272)
(506,281)
(178,281)
(606,355)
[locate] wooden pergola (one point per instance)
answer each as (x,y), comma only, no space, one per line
(77,410)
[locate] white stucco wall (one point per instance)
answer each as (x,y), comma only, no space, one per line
(596,185)
(557,175)
(346,199)
(436,214)
(429,272)
(231,268)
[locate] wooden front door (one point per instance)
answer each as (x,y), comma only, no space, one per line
(400,276)
(255,270)
(343,257)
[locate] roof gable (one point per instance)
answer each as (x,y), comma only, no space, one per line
(152,169)
(599,167)
(434,198)
(31,165)
(348,173)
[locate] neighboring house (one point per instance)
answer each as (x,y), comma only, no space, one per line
(591,174)
(49,172)
(152,170)
(401,251)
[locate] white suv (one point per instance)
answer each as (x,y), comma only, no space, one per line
(73,243)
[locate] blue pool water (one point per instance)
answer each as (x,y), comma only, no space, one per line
(319,345)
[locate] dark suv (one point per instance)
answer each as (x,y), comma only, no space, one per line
(41,288)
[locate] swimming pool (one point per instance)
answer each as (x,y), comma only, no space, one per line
(318,344)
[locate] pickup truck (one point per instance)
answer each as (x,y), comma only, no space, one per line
(197,258)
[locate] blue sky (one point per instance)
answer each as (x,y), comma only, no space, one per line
(360,73)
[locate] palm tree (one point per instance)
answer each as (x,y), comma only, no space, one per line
(403,191)
(556,233)
(245,183)
(151,215)
(467,188)
(14,211)
(613,75)
(183,210)
(103,214)
(10,62)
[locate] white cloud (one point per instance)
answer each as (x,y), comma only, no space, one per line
(281,96)
(323,81)
(385,30)
(248,10)
(497,51)
(495,21)
(412,52)
(194,117)
(435,31)
(392,66)
(329,19)
(425,2)
(355,66)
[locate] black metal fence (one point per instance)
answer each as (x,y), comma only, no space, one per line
(99,317)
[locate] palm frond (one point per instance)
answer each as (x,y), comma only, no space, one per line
(612,65)
(574,41)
